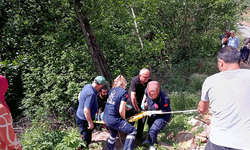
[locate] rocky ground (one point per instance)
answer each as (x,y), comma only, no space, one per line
(186,140)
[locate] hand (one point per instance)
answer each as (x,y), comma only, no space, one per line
(91,125)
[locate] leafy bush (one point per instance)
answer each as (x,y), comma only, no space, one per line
(42,138)
(196,81)
(183,101)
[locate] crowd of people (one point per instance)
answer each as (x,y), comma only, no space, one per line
(225,93)
(115,112)
(229,39)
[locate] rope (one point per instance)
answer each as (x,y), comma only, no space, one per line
(183,111)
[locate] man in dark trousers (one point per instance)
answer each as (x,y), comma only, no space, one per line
(88,107)
(136,92)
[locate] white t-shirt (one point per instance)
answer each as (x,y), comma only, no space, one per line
(229,96)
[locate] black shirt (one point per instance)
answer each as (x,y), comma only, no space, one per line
(137,87)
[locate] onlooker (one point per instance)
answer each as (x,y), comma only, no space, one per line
(233,40)
(88,106)
(224,41)
(156,100)
(224,34)
(228,94)
(244,51)
(114,114)
(8,139)
(136,92)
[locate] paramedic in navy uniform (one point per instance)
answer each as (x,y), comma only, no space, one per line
(114,114)
(156,100)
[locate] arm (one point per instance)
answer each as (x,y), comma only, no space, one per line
(88,117)
(122,109)
(203,107)
(134,102)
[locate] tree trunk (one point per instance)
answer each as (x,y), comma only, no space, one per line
(94,48)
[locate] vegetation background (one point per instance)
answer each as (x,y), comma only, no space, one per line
(50,49)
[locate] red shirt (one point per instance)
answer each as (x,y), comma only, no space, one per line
(8,139)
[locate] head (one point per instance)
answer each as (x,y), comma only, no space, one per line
(228,57)
(232,32)
(99,82)
(153,89)
(144,75)
(120,81)
(103,92)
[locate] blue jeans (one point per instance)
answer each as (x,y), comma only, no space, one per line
(118,124)
(211,146)
(85,132)
(155,125)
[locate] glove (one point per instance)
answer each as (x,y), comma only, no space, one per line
(142,105)
(149,113)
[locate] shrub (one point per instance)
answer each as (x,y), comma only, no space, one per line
(183,101)
(196,81)
(42,138)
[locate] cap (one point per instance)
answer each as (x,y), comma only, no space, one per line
(101,80)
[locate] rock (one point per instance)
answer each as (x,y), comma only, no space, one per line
(195,122)
(205,133)
(186,140)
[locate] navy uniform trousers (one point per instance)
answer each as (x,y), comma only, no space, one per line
(155,125)
(118,124)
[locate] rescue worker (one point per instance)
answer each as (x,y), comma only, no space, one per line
(114,114)
(156,100)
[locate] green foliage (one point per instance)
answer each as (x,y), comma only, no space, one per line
(183,101)
(196,81)
(41,138)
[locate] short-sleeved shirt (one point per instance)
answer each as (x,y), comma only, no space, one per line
(137,87)
(88,99)
(116,95)
(229,95)
(234,42)
(162,102)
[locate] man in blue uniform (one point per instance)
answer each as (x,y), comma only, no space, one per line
(88,107)
(114,114)
(156,100)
